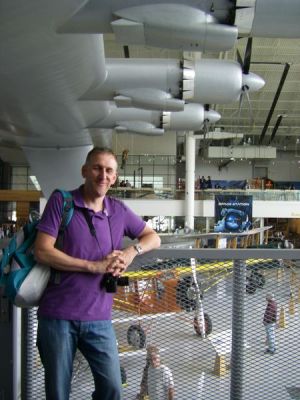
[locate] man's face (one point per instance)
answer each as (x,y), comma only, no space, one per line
(100,173)
(155,360)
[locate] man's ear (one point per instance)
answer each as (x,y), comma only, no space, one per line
(83,171)
(116,177)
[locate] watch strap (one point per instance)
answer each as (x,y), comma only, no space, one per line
(138,248)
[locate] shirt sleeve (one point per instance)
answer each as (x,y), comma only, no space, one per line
(168,378)
(51,218)
(134,224)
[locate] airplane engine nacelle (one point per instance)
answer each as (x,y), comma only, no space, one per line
(217,81)
(148,98)
(191,118)
(139,128)
(153,84)
(174,26)
(146,122)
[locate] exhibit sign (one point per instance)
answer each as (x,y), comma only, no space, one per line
(233,213)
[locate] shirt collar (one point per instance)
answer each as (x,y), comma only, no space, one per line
(78,201)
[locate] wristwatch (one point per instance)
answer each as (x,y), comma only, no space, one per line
(138,248)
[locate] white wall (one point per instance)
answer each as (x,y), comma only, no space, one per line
(284,168)
(139,144)
(237,170)
(206,208)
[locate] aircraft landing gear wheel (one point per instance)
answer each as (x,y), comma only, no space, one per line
(208,325)
(123,376)
(136,336)
(186,294)
(259,279)
(250,285)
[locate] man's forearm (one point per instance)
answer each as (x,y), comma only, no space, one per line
(149,241)
(62,261)
(171,394)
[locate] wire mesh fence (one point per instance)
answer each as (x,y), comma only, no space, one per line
(191,323)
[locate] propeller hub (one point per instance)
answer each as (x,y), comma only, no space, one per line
(252,82)
(211,116)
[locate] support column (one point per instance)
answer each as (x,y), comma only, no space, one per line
(22,209)
(190,179)
(6,349)
(238,327)
(262,234)
(207,224)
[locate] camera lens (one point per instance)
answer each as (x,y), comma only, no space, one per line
(109,282)
(123,281)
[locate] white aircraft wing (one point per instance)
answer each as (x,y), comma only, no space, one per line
(42,76)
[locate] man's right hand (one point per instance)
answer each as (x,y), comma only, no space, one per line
(113,263)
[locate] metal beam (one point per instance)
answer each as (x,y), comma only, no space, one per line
(274,103)
(278,122)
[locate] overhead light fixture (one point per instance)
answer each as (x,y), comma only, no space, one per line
(35,182)
(238,152)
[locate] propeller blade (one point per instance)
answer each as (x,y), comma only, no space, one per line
(250,108)
(247,59)
(239,59)
(241,100)
(205,122)
(205,127)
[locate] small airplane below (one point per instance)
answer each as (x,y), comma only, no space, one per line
(176,287)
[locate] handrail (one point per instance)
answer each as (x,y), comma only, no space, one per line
(205,194)
(217,254)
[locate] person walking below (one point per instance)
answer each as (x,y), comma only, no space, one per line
(202,182)
(160,379)
(75,309)
(208,183)
(270,319)
(144,382)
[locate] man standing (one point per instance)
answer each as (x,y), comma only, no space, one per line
(144,383)
(160,380)
(75,310)
(270,318)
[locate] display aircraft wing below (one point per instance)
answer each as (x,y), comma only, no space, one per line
(189,240)
(184,240)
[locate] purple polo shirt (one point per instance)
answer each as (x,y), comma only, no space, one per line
(78,295)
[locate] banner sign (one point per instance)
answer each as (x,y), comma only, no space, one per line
(233,213)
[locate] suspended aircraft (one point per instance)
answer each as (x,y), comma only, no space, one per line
(190,25)
(57,86)
(148,122)
(166,85)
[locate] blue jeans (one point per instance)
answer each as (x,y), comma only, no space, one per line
(270,332)
(57,342)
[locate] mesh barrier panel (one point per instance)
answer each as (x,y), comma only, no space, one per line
(208,333)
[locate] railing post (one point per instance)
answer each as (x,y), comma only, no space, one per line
(237,340)
(30,355)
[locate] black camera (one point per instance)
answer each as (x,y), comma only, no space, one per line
(110,282)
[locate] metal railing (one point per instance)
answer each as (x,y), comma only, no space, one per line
(206,194)
(162,307)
